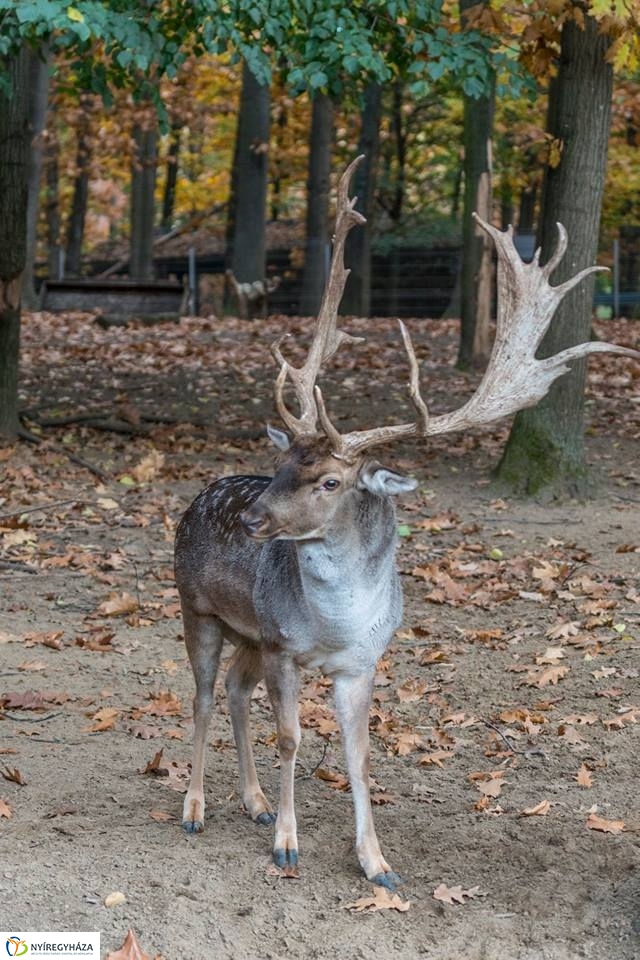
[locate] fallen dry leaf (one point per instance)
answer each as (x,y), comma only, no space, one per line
(118,605)
(550,656)
(564,629)
(407,742)
(413,690)
(604,672)
(436,757)
(605,826)
(105,719)
(542,678)
(5,810)
(540,810)
(17,537)
(163,704)
(380,798)
(455,895)
(570,735)
(161,816)
(337,781)
(583,776)
(174,774)
(382,899)
(32,699)
(53,639)
(490,788)
(147,469)
(32,665)
(130,950)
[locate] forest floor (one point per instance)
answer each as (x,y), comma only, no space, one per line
(505,719)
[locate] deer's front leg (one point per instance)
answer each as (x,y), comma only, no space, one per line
(282,680)
(353,700)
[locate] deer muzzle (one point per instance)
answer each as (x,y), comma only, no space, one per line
(256,523)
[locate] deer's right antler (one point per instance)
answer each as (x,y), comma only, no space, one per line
(514,378)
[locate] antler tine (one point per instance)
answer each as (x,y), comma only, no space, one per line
(326,338)
(514,378)
(350,445)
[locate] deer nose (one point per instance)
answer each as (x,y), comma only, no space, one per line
(252,523)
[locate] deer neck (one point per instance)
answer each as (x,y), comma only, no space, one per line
(356,552)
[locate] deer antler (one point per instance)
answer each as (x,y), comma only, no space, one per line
(327,338)
(514,378)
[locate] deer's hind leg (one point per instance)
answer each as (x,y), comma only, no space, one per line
(243,674)
(203,639)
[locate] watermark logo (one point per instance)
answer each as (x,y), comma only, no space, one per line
(78,945)
(17,947)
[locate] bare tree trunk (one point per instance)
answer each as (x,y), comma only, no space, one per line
(246,224)
(545,448)
(278,168)
(143,207)
(14,172)
(39,95)
(169,198)
(78,215)
(52,207)
(475,290)
(526,215)
(398,190)
(316,257)
(357,298)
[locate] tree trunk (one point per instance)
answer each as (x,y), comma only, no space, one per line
(39,95)
(169,198)
(317,244)
(75,227)
(357,298)
(545,448)
(475,280)
(279,168)
(52,209)
(143,185)
(246,225)
(14,172)
(400,143)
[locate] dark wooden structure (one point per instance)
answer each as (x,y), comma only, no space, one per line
(118,298)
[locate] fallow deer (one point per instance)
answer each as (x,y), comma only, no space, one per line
(298,570)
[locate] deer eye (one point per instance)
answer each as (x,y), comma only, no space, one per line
(331,484)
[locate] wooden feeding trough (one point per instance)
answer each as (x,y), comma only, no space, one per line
(117,301)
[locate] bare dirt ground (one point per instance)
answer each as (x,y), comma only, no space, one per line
(504,728)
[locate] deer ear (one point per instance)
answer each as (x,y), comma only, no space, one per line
(385,483)
(279,438)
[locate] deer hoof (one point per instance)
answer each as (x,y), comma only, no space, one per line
(390,880)
(193,826)
(265,819)
(285,858)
